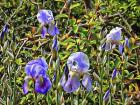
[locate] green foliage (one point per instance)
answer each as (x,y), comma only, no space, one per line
(80,30)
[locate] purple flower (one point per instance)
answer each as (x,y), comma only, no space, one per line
(87,82)
(112,39)
(106,96)
(115,34)
(36,71)
(46,17)
(78,64)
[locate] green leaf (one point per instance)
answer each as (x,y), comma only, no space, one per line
(19,61)
(74,5)
(61,16)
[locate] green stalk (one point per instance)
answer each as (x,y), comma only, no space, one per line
(35,99)
(101,87)
(108,59)
(122,93)
(71,95)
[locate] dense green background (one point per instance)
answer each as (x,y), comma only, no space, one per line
(83,27)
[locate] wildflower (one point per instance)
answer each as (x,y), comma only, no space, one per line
(4,30)
(106,96)
(112,39)
(36,71)
(78,65)
(78,62)
(45,17)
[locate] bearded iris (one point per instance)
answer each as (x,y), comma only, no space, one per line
(78,65)
(36,71)
(45,17)
(112,39)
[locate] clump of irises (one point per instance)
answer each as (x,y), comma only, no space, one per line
(75,72)
(36,71)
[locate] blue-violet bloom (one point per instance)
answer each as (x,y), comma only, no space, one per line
(36,71)
(45,17)
(112,39)
(78,65)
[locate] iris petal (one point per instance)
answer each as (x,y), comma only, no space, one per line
(87,82)
(115,34)
(43,86)
(53,30)
(63,80)
(43,32)
(25,86)
(45,16)
(36,67)
(78,61)
(72,84)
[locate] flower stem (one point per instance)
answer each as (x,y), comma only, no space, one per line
(35,99)
(108,60)
(101,87)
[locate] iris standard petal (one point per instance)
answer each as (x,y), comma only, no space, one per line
(115,34)
(121,48)
(114,73)
(53,30)
(45,16)
(43,63)
(72,84)
(87,82)
(43,84)
(36,67)
(43,31)
(38,70)
(78,62)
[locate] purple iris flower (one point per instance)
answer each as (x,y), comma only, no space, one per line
(36,71)
(4,30)
(112,39)
(78,64)
(46,17)
(106,96)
